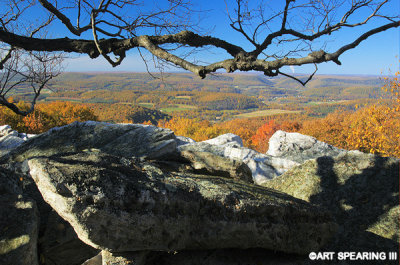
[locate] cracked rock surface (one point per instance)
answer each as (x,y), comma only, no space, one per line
(118,205)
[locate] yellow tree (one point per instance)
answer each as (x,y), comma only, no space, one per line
(45,116)
(376,129)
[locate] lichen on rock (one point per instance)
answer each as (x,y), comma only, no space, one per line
(360,190)
(118,206)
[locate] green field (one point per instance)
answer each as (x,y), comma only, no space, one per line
(178,107)
(147,105)
(261,113)
(183,97)
(326,102)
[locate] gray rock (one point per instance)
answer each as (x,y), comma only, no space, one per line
(362,192)
(59,244)
(19,224)
(26,136)
(225,257)
(10,139)
(117,205)
(263,167)
(96,260)
(9,142)
(203,257)
(298,147)
(181,140)
(123,258)
(127,140)
(7,130)
(208,163)
(228,139)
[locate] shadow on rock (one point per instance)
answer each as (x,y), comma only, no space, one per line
(360,190)
(365,205)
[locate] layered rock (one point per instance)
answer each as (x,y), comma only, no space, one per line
(181,140)
(142,195)
(224,256)
(362,192)
(299,148)
(10,139)
(58,243)
(263,167)
(211,164)
(19,224)
(119,205)
(228,140)
(127,140)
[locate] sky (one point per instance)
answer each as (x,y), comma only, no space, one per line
(378,55)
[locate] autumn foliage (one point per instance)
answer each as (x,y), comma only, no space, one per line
(373,128)
(198,130)
(255,133)
(46,116)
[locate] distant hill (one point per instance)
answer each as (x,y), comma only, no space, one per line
(326,86)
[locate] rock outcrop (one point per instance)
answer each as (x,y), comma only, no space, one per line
(299,148)
(19,223)
(10,139)
(228,140)
(211,164)
(141,195)
(118,205)
(127,140)
(263,167)
(362,192)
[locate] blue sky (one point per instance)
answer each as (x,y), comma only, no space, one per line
(377,55)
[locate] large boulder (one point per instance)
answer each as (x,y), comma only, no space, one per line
(225,256)
(10,139)
(228,139)
(19,224)
(58,243)
(182,140)
(298,147)
(263,167)
(362,192)
(208,163)
(127,140)
(229,256)
(118,205)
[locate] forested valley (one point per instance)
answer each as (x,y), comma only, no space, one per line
(351,112)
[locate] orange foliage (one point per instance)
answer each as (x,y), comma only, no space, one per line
(261,137)
(46,116)
(332,129)
(376,129)
(260,140)
(255,133)
(198,130)
(373,129)
(290,126)
(245,128)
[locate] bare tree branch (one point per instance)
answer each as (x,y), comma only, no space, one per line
(299,29)
(33,68)
(303,83)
